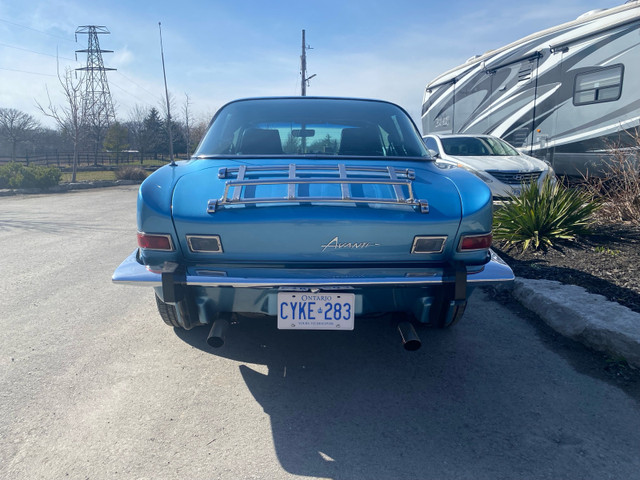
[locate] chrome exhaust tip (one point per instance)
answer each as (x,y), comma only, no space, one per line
(218,332)
(410,339)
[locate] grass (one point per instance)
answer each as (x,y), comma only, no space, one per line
(110,174)
(90,176)
(607,251)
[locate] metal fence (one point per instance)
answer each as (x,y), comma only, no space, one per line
(107,160)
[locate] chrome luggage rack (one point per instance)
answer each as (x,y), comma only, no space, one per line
(294,175)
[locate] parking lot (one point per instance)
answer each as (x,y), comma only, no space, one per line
(94,385)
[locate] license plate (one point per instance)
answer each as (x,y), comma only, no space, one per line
(316,311)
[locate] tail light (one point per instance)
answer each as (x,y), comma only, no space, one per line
(155,241)
(475,242)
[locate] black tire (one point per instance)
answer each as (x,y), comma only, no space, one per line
(168,313)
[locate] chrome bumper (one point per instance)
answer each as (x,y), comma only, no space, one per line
(131,272)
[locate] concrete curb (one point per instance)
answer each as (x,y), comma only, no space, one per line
(65,187)
(590,319)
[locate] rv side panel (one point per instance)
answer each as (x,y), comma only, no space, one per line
(562,95)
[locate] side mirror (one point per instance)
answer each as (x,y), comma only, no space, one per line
(434,154)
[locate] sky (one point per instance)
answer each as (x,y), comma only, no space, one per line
(216,51)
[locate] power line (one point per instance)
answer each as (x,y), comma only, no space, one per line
(129,93)
(33,51)
(137,85)
(35,30)
(24,71)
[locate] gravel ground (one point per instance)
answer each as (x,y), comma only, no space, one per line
(605,262)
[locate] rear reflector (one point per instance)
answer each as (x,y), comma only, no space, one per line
(204,243)
(155,242)
(424,244)
(475,242)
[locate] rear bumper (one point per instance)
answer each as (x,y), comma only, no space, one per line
(131,272)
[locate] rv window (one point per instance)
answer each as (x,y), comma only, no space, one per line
(599,85)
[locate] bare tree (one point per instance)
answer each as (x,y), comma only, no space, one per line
(187,122)
(166,106)
(96,128)
(69,115)
(16,126)
(135,125)
(199,129)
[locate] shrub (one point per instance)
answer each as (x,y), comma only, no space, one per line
(618,186)
(45,177)
(544,215)
(16,175)
(10,174)
(131,173)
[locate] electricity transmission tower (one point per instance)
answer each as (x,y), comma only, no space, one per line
(97,106)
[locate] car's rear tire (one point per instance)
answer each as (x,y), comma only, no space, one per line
(168,313)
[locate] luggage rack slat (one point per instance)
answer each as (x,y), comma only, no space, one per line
(291,194)
(228,172)
(343,186)
(292,175)
(240,176)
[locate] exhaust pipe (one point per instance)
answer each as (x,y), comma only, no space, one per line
(410,339)
(218,332)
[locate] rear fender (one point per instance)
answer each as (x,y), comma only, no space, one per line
(477,212)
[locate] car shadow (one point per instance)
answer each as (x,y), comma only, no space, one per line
(346,405)
(343,405)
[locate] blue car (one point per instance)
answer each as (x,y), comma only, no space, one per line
(315,213)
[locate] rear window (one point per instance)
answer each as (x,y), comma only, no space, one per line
(311,126)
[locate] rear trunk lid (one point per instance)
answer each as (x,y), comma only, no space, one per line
(315,211)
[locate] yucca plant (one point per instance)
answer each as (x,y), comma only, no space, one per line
(543,215)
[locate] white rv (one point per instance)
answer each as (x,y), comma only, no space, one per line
(563,94)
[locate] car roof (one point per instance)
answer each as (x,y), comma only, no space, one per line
(312,98)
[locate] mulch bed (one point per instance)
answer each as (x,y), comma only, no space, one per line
(605,263)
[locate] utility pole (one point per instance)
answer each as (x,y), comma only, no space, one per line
(303,66)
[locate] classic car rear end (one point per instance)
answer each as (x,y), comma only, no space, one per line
(314,211)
